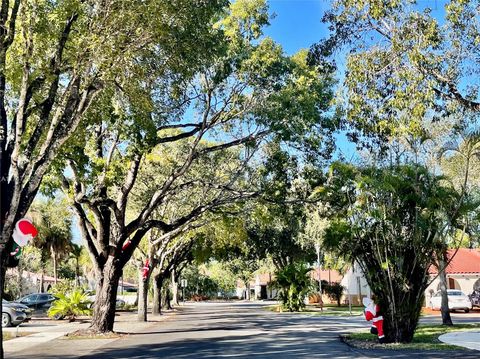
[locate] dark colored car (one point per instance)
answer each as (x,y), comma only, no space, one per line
(475,298)
(38,300)
(14,313)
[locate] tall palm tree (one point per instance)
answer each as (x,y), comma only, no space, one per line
(75,254)
(54,235)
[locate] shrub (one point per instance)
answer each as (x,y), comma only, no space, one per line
(294,284)
(62,287)
(334,291)
(70,305)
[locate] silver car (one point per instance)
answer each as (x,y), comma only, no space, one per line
(14,313)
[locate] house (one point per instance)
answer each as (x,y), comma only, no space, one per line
(463,272)
(261,286)
(30,282)
(356,286)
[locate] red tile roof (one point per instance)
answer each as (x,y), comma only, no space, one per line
(464,261)
(327,274)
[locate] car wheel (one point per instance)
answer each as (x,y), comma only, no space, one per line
(467,310)
(6,320)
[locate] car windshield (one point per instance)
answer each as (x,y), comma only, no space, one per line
(457,292)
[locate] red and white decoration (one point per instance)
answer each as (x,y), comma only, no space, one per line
(24,232)
(372,312)
(146,269)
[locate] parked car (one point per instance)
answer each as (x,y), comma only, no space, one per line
(119,303)
(456,300)
(14,313)
(475,298)
(38,300)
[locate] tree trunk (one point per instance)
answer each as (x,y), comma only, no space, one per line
(42,279)
(270,287)
(168,304)
(446,318)
(104,308)
(54,257)
(77,273)
(400,302)
(400,307)
(142,296)
(174,289)
(400,323)
(3,270)
(20,280)
(157,294)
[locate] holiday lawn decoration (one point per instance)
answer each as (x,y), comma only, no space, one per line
(146,269)
(24,232)
(372,313)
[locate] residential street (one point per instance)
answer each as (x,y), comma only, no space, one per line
(224,330)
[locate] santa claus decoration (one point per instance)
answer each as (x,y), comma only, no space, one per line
(23,233)
(372,313)
(146,269)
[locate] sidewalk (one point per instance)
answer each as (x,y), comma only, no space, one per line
(43,332)
(467,339)
(50,341)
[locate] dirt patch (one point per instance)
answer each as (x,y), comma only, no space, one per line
(10,335)
(90,334)
(363,344)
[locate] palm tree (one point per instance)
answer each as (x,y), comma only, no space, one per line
(54,235)
(75,254)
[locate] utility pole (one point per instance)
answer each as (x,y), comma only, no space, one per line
(183,282)
(317,247)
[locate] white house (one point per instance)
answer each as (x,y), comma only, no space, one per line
(463,273)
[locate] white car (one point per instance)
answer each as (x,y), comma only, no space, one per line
(456,300)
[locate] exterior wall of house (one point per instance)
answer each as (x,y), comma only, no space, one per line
(356,286)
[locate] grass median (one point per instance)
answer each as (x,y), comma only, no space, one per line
(425,338)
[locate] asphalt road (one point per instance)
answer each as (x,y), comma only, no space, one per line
(244,330)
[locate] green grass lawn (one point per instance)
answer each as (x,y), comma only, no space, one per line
(425,338)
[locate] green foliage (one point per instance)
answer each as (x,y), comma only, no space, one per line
(382,219)
(334,291)
(275,225)
(62,287)
(53,221)
(70,305)
(295,284)
(224,277)
(406,63)
(199,283)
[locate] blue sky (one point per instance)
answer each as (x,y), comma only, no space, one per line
(297,23)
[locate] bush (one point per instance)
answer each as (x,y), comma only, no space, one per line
(70,305)
(294,284)
(62,287)
(334,291)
